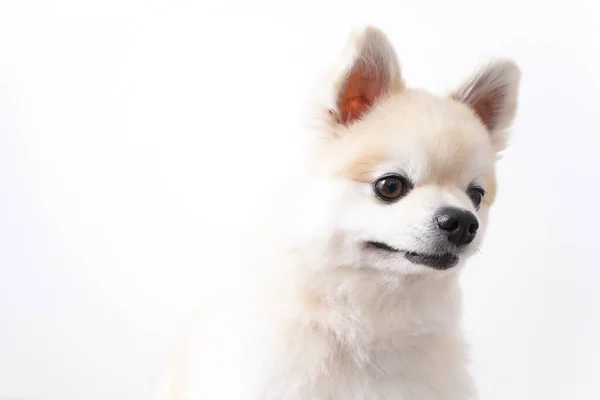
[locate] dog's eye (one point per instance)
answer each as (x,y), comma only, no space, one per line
(476,195)
(390,188)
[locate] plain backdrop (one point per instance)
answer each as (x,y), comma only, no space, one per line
(134,135)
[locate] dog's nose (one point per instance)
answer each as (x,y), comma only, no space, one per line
(459,226)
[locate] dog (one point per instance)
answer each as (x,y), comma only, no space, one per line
(362,301)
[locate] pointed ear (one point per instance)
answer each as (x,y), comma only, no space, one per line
(370,71)
(492,94)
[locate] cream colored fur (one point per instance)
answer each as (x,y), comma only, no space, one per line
(314,314)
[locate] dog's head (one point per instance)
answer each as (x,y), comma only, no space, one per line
(406,178)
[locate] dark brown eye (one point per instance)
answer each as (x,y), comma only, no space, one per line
(390,188)
(476,194)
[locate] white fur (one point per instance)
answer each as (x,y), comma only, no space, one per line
(313,314)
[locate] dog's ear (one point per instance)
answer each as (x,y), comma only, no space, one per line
(492,94)
(369,72)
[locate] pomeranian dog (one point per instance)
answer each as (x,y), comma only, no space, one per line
(356,296)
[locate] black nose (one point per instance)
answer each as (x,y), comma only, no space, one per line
(459,226)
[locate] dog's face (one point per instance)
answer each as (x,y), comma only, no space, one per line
(406,178)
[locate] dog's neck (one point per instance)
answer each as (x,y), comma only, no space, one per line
(365,303)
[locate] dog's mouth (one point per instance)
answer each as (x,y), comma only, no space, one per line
(437,261)
(382,246)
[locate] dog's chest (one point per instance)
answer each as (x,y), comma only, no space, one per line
(324,369)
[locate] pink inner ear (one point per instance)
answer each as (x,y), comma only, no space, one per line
(486,103)
(354,108)
(361,90)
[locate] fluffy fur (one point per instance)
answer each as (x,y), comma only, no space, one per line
(329,316)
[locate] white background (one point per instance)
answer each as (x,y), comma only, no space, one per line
(133,136)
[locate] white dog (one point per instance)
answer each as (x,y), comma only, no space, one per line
(363,303)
